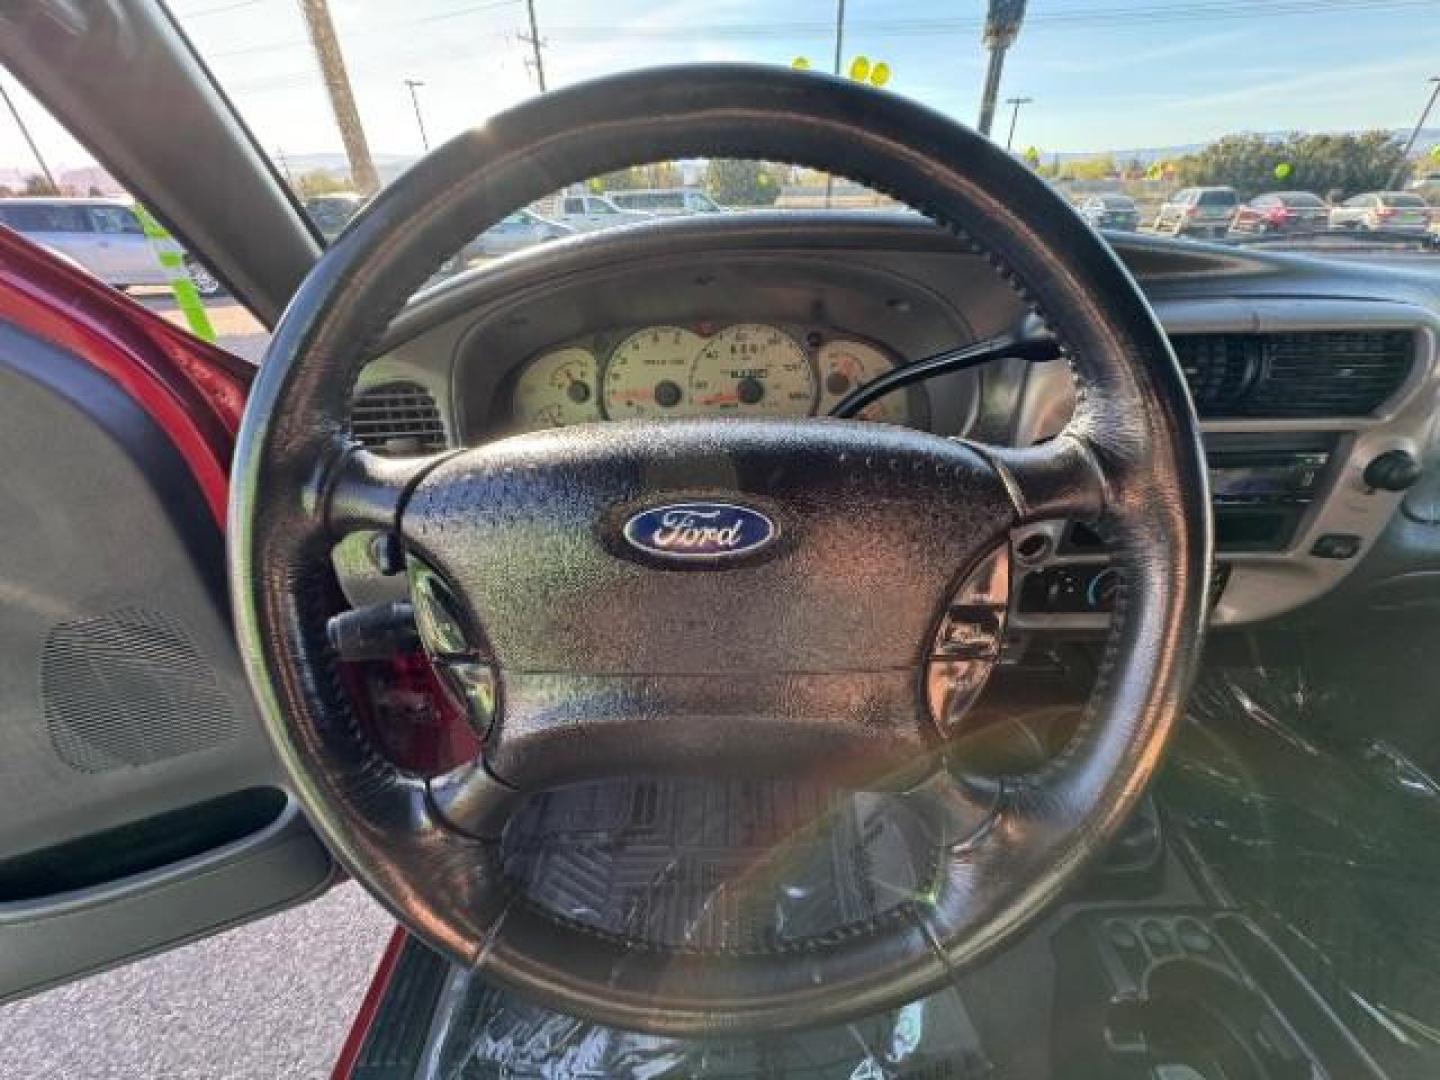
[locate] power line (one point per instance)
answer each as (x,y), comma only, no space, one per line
(219,9)
(29,141)
(1099,16)
(383,28)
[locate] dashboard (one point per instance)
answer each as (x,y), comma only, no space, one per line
(1305,374)
(701,369)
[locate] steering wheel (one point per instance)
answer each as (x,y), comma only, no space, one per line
(795,646)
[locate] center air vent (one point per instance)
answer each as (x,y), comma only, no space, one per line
(397,418)
(1327,373)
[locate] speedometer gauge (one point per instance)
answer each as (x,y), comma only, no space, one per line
(556,389)
(648,371)
(847,365)
(755,369)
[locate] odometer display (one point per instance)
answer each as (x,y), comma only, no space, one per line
(753,369)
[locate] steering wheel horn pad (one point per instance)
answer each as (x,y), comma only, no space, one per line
(804,657)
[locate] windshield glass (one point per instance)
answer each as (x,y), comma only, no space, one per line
(1315,97)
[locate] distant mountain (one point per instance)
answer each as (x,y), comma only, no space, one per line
(388,166)
(1427,138)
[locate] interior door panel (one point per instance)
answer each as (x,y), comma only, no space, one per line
(143,805)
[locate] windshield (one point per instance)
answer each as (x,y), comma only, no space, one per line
(1316,98)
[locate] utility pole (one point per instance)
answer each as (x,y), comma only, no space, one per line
(839,48)
(284,165)
(342,99)
(1002,26)
(25,133)
(1424,115)
(420,120)
(533,39)
(1015,116)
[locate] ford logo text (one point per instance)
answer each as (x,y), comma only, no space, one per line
(699,531)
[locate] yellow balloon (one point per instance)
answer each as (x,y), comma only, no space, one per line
(860,69)
(880,74)
(801,63)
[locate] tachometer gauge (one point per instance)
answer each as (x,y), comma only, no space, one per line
(846,365)
(648,371)
(556,389)
(753,369)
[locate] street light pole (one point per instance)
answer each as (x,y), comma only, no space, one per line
(1424,115)
(839,48)
(419,120)
(30,142)
(1015,116)
(1002,26)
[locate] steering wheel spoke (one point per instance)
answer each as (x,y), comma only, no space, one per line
(1061,478)
(360,490)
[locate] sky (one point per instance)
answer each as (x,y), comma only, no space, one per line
(1104,74)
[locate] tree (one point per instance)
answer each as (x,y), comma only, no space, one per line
(660,174)
(1032,157)
(320,182)
(38,185)
(1344,164)
(740,183)
(1093,168)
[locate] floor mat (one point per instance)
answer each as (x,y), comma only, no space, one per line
(716,866)
(1329,837)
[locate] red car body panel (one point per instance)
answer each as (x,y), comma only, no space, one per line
(195,391)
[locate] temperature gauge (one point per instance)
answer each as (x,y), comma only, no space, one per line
(846,365)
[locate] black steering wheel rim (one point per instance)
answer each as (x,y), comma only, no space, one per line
(1130,459)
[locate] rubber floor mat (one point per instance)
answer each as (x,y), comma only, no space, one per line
(713,866)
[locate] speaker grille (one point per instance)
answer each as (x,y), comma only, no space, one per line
(129,688)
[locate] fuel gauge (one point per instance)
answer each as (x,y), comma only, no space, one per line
(556,389)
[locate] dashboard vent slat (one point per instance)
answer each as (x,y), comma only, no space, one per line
(397,418)
(1302,374)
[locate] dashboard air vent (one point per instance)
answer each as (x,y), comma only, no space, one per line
(397,418)
(1323,373)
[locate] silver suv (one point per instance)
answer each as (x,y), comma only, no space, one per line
(1198,211)
(103,236)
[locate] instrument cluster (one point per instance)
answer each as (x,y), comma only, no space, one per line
(750,369)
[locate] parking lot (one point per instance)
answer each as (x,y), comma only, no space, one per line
(270,1000)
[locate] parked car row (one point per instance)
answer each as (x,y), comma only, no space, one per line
(1217,212)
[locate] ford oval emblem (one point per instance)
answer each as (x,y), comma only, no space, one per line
(699,531)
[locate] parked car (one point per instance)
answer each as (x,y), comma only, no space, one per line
(1282,211)
(1393,211)
(1111,212)
(104,236)
(585,213)
(1198,211)
(520,230)
(332,212)
(668,202)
